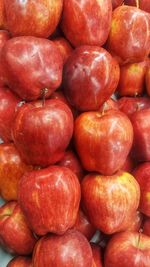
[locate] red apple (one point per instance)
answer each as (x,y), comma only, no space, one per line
(91,76)
(110,201)
(15,235)
(8,106)
(148,81)
(128,249)
(64,47)
(109,104)
(4,37)
(103,140)
(141,127)
(41,134)
(142,4)
(136,222)
(146,226)
(69,250)
(129,164)
(97,258)
(142,175)
(132,78)
(116,3)
(12,169)
(34,18)
(2,15)
(50,199)
(129,105)
(83,225)
(129,38)
(86,22)
(20,262)
(31,65)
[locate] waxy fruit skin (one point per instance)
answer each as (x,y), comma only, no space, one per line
(20,261)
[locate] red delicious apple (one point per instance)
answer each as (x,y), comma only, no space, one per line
(132,79)
(141,127)
(129,105)
(31,65)
(97,258)
(50,199)
(12,169)
(20,262)
(110,201)
(41,134)
(103,140)
(128,249)
(136,222)
(116,3)
(142,175)
(148,81)
(129,37)
(83,225)
(146,226)
(34,18)
(90,77)
(142,4)
(109,104)
(69,250)
(15,235)
(64,47)
(8,107)
(86,22)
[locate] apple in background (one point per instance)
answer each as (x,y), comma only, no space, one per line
(142,175)
(15,234)
(128,249)
(129,164)
(70,249)
(90,77)
(64,47)
(110,201)
(136,222)
(2,15)
(129,105)
(12,169)
(108,105)
(34,18)
(41,134)
(103,140)
(86,23)
(20,261)
(146,226)
(97,257)
(4,37)
(129,38)
(19,69)
(148,81)
(116,3)
(141,128)
(132,79)
(142,4)
(83,225)
(50,199)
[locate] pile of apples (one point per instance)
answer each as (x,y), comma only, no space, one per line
(75,130)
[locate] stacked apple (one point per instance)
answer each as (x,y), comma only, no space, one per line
(73,160)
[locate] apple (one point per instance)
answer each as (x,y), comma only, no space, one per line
(136,222)
(2,15)
(90,77)
(20,261)
(41,134)
(86,23)
(50,199)
(4,37)
(129,105)
(129,164)
(64,47)
(116,3)
(141,127)
(12,169)
(110,201)
(148,81)
(103,140)
(15,234)
(146,226)
(132,79)
(97,257)
(142,4)
(83,225)
(129,38)
(108,105)
(141,173)
(70,249)
(28,66)
(128,249)
(34,18)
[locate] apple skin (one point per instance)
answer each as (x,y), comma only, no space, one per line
(116,3)
(129,105)
(96,151)
(64,47)
(33,18)
(146,226)
(2,15)
(97,257)
(12,169)
(110,201)
(69,250)
(108,105)
(128,249)
(126,41)
(20,261)
(50,199)
(136,223)
(86,22)
(132,79)
(41,134)
(90,77)
(143,4)
(129,164)
(141,173)
(4,37)
(19,69)
(148,81)
(141,128)
(15,234)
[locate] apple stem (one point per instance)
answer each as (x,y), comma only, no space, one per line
(137,3)
(139,238)
(44,92)
(104,108)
